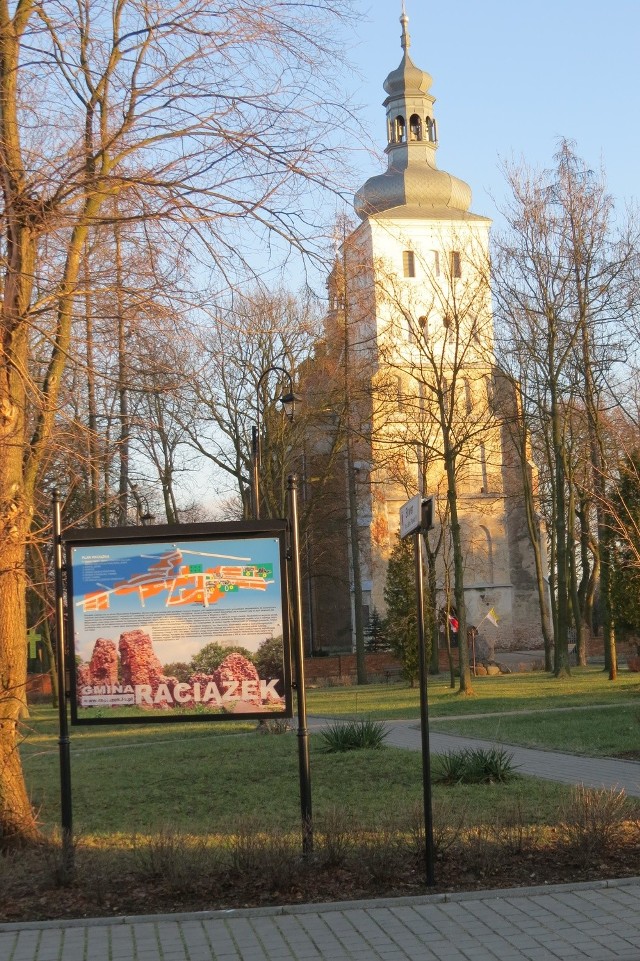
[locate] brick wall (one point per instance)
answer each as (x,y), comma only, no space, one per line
(342,667)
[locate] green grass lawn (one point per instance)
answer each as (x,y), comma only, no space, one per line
(585,687)
(605,720)
(192,779)
(205,778)
(598,732)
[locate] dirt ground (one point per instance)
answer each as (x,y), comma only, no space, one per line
(385,874)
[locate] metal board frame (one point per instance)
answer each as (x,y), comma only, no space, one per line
(115,561)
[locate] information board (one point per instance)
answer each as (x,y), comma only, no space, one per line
(185,627)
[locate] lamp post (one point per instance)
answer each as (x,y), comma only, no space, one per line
(143,514)
(288,401)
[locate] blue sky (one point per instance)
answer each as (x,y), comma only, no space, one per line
(509,80)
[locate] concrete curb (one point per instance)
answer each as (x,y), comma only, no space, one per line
(328,907)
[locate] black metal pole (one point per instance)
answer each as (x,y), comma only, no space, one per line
(64,744)
(424,717)
(298,655)
(255,471)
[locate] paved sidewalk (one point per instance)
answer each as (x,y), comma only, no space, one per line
(596,772)
(581,922)
(599,921)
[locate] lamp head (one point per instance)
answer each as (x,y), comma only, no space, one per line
(288,402)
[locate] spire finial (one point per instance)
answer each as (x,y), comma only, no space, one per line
(405,39)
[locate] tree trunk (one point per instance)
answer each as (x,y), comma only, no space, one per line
(458,575)
(352,493)
(534,538)
(92,407)
(17,820)
(432,608)
(608,627)
(561,650)
(354,540)
(44,608)
(581,649)
(588,580)
(123,391)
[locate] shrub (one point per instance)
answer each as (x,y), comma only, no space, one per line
(211,656)
(592,821)
(378,855)
(175,858)
(354,735)
(275,725)
(335,837)
(268,660)
(475,766)
(272,857)
(179,669)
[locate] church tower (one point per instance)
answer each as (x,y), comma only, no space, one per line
(411,291)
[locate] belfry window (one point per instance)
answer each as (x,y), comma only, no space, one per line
(468,403)
(408,263)
(483,467)
(432,135)
(415,127)
(400,130)
(488,558)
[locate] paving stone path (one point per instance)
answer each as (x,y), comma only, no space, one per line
(598,921)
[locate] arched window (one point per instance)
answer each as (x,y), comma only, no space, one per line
(415,127)
(390,132)
(488,556)
(408,263)
(431,130)
(488,384)
(483,468)
(400,130)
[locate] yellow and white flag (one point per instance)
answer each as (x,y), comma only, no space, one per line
(492,616)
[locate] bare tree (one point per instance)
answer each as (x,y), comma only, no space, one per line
(204,120)
(440,350)
(563,283)
(232,386)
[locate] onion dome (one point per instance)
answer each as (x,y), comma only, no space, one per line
(412,180)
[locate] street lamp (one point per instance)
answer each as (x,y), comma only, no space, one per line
(288,401)
(143,514)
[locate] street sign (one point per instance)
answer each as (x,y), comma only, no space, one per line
(428,512)
(411,516)
(416,515)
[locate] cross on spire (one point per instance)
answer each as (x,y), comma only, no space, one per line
(405,39)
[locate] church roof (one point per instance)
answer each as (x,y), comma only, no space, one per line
(412,185)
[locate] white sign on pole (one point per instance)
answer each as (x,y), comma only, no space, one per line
(411,516)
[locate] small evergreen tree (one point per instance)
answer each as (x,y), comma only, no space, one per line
(375,636)
(625,574)
(400,598)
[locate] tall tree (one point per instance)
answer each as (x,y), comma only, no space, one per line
(563,283)
(232,386)
(203,119)
(440,348)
